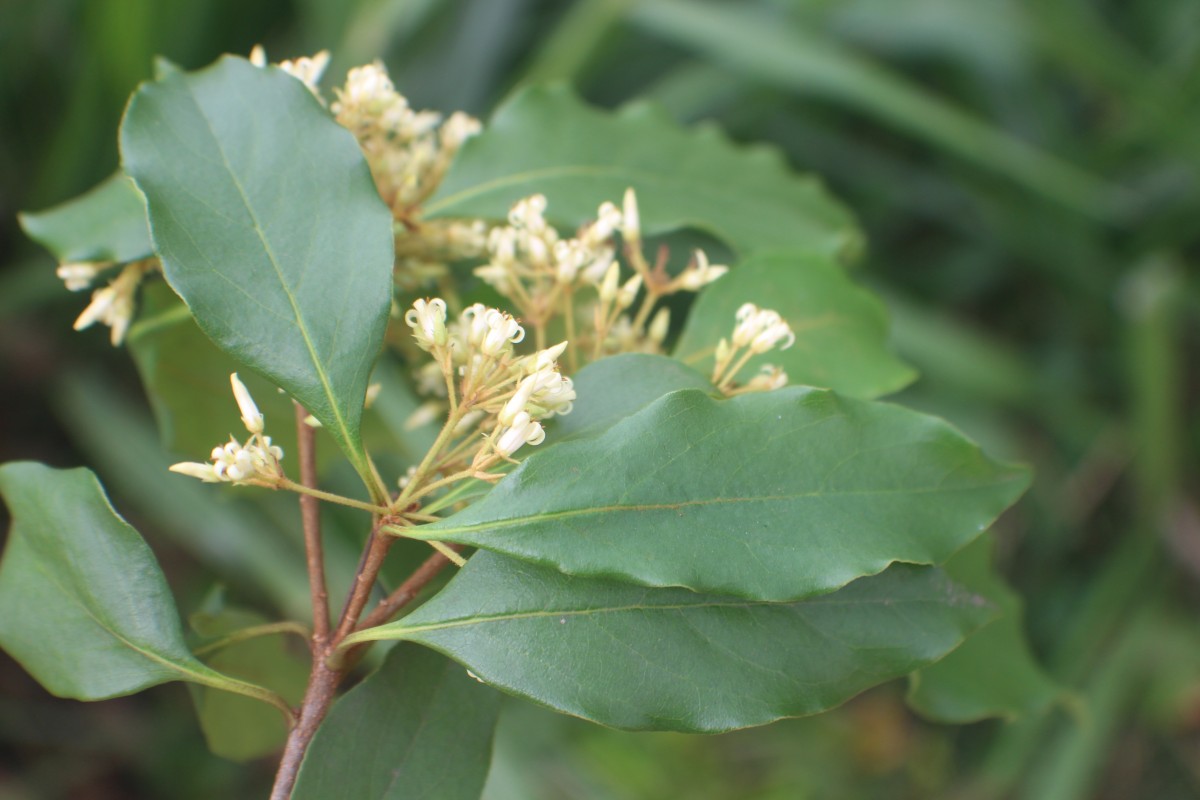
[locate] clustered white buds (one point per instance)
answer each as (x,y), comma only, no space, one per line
(408,151)
(542,274)
(761,329)
(78,275)
(256,461)
(306,69)
(756,331)
(489,387)
(113,305)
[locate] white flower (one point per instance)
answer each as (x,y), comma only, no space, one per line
(308,69)
(608,220)
(457,129)
(527,213)
(78,275)
(523,430)
(237,463)
(628,292)
(659,326)
(700,273)
(769,377)
(632,229)
(113,306)
(427,318)
(194,469)
(761,329)
(608,288)
(491,331)
(252,418)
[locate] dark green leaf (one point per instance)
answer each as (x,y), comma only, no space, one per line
(236,727)
(270,228)
(186,378)
(420,727)
(547,141)
(86,608)
(671,659)
(612,388)
(993,674)
(107,223)
(768,496)
(841,330)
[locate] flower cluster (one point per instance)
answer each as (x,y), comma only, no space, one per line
(756,331)
(408,151)
(255,462)
(544,276)
(112,305)
(489,388)
(307,69)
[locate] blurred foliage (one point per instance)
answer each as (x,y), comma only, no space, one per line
(1026,172)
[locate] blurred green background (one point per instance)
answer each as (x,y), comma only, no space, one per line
(1026,173)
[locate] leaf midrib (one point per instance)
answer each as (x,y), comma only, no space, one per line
(438,532)
(399,630)
(322,376)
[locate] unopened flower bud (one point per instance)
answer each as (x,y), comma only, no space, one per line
(252,418)
(632,228)
(608,289)
(629,291)
(660,325)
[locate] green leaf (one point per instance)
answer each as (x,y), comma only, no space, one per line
(236,727)
(994,673)
(106,223)
(186,378)
(547,141)
(612,388)
(419,727)
(671,659)
(769,496)
(841,330)
(86,609)
(270,228)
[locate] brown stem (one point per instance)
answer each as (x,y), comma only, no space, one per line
(310,514)
(318,697)
(323,681)
(405,592)
(364,580)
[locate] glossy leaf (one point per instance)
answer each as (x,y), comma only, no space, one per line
(841,330)
(419,727)
(269,226)
(85,607)
(994,673)
(106,223)
(612,388)
(548,141)
(768,496)
(670,659)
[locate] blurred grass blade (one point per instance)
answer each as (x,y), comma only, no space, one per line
(801,62)
(567,49)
